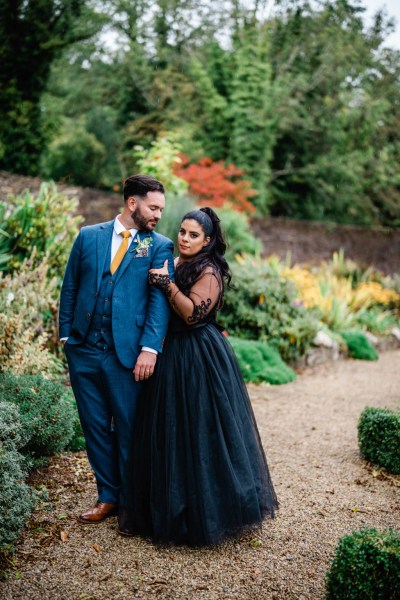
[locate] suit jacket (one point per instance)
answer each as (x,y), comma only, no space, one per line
(140,312)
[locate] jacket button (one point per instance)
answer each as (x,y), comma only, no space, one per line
(88,315)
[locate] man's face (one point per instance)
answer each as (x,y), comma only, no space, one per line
(146,212)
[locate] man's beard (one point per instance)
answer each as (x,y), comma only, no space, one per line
(139,220)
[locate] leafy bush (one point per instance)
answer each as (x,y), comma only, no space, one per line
(47,415)
(379,437)
(76,156)
(28,320)
(376,320)
(359,346)
(16,498)
(259,362)
(216,184)
(263,307)
(160,160)
(45,223)
(366,567)
(238,234)
(344,294)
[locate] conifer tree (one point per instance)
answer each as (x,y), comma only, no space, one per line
(251,110)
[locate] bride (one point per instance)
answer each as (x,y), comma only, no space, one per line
(197,472)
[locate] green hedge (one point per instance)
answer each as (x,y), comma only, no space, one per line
(379,437)
(47,414)
(359,346)
(16,498)
(259,362)
(366,567)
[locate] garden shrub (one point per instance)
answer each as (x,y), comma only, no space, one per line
(366,567)
(76,156)
(379,437)
(238,234)
(28,320)
(263,307)
(16,498)
(44,223)
(259,362)
(215,183)
(47,414)
(359,345)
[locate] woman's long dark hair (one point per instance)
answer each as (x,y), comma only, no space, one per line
(212,255)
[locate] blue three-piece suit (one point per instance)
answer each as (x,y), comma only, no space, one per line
(107,320)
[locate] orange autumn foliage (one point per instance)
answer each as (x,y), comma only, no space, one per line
(215,183)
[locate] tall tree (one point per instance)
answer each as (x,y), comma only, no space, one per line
(251,109)
(32,34)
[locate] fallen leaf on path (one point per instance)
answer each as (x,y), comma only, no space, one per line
(63,536)
(96,547)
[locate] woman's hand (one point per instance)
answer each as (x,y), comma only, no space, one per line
(162,271)
(160,277)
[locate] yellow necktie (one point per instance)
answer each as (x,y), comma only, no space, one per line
(118,258)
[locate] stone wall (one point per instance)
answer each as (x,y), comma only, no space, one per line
(311,242)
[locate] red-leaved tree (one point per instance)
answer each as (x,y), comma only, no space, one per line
(215,184)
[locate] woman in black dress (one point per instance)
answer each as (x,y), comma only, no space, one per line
(197,473)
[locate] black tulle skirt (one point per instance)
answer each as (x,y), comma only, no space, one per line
(197,473)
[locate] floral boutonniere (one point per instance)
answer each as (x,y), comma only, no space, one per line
(142,247)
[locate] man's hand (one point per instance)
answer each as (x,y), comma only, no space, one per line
(145,364)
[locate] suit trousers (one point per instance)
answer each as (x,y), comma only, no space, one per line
(106,394)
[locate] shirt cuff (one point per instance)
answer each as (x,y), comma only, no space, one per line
(63,339)
(146,349)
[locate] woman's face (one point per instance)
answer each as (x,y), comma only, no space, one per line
(191,238)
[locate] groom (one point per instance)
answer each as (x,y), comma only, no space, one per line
(113,325)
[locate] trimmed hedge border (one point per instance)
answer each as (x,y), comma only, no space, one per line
(379,438)
(259,362)
(359,345)
(366,567)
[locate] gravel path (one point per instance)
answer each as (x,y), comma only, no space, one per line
(309,432)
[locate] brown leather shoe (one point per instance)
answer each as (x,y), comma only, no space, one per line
(98,513)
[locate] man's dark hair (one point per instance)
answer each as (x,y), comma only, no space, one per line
(141,185)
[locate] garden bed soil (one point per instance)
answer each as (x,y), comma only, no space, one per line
(309,431)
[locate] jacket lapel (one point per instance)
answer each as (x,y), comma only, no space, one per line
(131,253)
(104,235)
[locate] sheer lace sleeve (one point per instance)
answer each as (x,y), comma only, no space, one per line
(202,299)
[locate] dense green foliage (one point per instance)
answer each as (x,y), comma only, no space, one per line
(259,362)
(44,224)
(359,346)
(16,498)
(238,235)
(366,567)
(262,306)
(46,411)
(305,101)
(33,34)
(379,437)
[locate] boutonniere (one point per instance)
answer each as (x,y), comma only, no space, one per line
(142,246)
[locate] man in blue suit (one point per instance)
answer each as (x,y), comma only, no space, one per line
(113,326)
